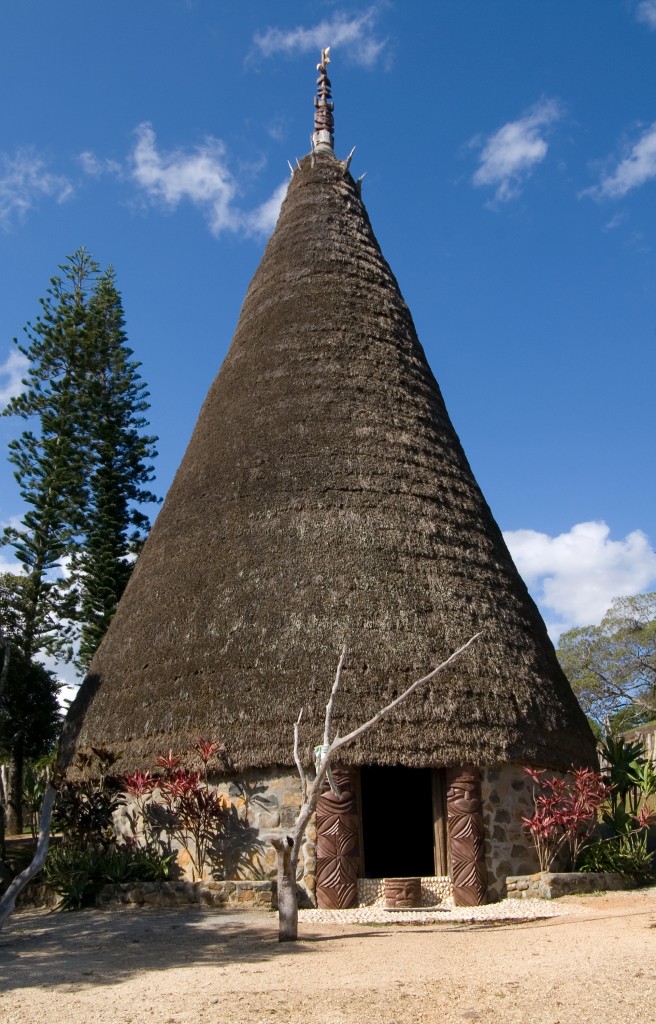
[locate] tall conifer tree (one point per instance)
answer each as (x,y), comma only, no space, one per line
(81,465)
(113,401)
(49,460)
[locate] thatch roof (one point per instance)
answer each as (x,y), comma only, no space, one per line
(325,498)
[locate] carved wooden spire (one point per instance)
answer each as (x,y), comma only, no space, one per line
(324,122)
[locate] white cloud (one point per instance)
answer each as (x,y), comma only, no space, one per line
(354,33)
(14,369)
(96,166)
(510,155)
(10,565)
(23,180)
(635,169)
(646,13)
(201,177)
(575,576)
(615,221)
(66,674)
(262,220)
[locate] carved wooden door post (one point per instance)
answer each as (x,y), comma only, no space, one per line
(466,835)
(338,853)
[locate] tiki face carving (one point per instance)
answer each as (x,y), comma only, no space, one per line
(402,892)
(465,797)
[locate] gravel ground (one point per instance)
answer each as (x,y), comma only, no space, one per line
(594,962)
(506,910)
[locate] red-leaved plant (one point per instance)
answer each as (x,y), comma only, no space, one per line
(565,812)
(194,813)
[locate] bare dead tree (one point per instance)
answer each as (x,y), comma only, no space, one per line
(8,901)
(288,849)
(6,646)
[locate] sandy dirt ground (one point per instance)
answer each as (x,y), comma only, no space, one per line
(172,967)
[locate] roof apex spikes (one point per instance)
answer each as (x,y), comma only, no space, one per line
(323,139)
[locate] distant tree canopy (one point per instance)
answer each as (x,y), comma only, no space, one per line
(612,667)
(29,706)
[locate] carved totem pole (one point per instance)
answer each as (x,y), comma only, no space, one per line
(466,835)
(324,121)
(338,853)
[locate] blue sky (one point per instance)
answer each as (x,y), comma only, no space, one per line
(510,159)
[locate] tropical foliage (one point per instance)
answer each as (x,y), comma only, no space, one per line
(180,802)
(565,813)
(604,821)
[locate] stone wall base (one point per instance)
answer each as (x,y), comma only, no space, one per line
(37,896)
(548,885)
(239,895)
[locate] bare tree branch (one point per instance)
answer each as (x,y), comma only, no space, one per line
(331,699)
(8,901)
(297,756)
(4,641)
(341,741)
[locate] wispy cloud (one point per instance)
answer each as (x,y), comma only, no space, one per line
(355,34)
(510,155)
(615,222)
(200,176)
(10,565)
(24,179)
(12,372)
(575,576)
(636,168)
(262,220)
(646,13)
(96,166)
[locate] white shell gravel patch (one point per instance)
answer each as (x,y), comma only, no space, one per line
(446,913)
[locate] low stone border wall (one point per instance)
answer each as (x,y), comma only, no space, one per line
(548,885)
(238,895)
(36,896)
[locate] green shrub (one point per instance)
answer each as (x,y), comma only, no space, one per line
(78,873)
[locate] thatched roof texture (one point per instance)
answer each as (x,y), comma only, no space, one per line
(325,499)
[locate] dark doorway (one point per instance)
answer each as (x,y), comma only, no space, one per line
(397,822)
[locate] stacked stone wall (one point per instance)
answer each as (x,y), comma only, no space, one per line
(507,794)
(244,895)
(261,806)
(548,885)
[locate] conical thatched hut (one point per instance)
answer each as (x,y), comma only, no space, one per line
(325,499)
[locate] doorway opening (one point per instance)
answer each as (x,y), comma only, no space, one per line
(398,835)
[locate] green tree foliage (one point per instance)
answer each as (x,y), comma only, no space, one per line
(612,667)
(28,703)
(30,716)
(113,401)
(81,464)
(29,708)
(49,460)
(83,472)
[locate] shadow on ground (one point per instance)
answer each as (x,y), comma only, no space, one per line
(94,947)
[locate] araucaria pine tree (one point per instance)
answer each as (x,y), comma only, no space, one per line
(49,465)
(49,460)
(83,466)
(112,402)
